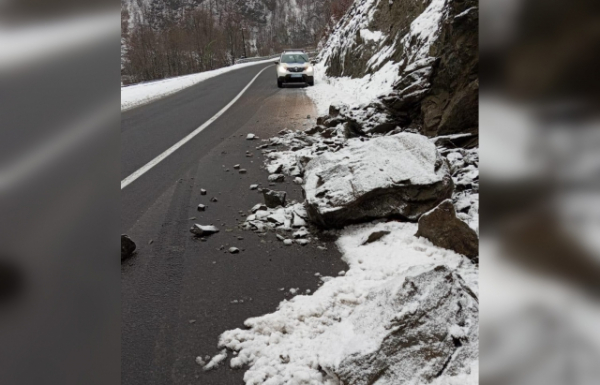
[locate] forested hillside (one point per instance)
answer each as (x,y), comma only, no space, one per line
(166,38)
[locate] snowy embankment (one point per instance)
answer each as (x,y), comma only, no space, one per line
(309,337)
(139,94)
(351,92)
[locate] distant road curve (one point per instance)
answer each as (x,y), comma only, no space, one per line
(143,93)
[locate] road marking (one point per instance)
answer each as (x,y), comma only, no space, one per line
(148,166)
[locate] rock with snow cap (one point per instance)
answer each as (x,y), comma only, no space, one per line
(258,207)
(401,175)
(250,137)
(276,178)
(200,230)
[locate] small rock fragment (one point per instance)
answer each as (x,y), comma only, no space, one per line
(258,207)
(202,191)
(298,180)
(376,235)
(201,207)
(200,230)
(274,198)
(242,171)
(288,242)
(234,250)
(236,166)
(253,186)
(276,178)
(214,199)
(250,137)
(302,242)
(275,168)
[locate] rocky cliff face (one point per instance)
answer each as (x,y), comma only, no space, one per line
(435,42)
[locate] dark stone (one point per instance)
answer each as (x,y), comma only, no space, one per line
(333,122)
(274,198)
(321,120)
(352,129)
(127,246)
(314,130)
(444,229)
(334,111)
(375,236)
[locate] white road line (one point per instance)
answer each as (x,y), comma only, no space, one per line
(148,166)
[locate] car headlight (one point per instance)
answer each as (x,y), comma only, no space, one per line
(283,67)
(309,68)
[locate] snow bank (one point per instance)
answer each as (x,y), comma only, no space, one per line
(138,94)
(347,91)
(368,35)
(347,315)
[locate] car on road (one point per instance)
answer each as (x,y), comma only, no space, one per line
(294,67)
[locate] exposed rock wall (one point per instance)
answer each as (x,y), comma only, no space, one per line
(436,43)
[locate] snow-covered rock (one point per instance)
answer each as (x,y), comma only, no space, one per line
(432,329)
(399,175)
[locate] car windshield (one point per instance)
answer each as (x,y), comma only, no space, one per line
(294,58)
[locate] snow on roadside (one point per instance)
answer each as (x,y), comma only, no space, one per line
(354,92)
(139,94)
(347,315)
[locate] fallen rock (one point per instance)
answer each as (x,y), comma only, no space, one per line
(314,130)
(253,186)
(375,236)
(430,328)
(276,178)
(444,229)
(250,137)
(236,166)
(288,242)
(201,207)
(127,246)
(352,129)
(258,207)
(275,168)
(302,242)
(202,191)
(200,230)
(302,233)
(298,180)
(234,250)
(400,175)
(274,198)
(334,111)
(214,199)
(242,171)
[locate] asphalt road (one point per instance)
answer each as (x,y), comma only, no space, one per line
(177,291)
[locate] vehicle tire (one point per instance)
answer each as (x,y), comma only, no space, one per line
(311,83)
(279,83)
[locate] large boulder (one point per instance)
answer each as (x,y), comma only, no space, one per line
(400,175)
(444,229)
(432,331)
